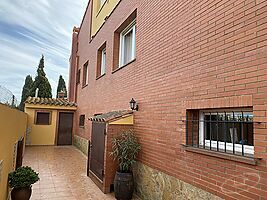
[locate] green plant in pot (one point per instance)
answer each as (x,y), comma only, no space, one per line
(125,148)
(21,181)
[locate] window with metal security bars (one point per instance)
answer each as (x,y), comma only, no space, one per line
(229,131)
(81,120)
(42,118)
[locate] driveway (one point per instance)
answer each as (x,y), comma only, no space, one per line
(62,172)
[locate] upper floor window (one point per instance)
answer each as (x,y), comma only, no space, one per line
(229,131)
(43,118)
(101,3)
(85,74)
(127,44)
(101,61)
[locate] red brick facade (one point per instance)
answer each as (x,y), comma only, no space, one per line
(189,55)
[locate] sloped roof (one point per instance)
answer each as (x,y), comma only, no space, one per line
(50,101)
(109,116)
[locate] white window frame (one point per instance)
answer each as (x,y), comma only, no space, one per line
(103,62)
(129,28)
(213,143)
(101,3)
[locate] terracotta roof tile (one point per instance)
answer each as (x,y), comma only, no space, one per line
(49,101)
(110,115)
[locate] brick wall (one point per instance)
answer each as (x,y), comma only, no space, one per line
(190,55)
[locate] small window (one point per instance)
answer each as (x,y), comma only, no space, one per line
(78,77)
(229,131)
(85,74)
(101,3)
(127,44)
(101,61)
(81,120)
(42,118)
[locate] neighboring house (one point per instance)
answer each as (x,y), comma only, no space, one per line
(50,121)
(198,71)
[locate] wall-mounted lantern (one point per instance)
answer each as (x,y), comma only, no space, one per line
(133,104)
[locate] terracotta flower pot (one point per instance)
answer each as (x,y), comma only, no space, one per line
(21,193)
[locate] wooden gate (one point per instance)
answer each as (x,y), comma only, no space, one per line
(19,155)
(97,149)
(65,124)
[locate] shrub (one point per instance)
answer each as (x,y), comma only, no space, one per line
(22,177)
(125,148)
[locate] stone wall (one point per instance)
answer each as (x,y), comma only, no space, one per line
(153,184)
(81,144)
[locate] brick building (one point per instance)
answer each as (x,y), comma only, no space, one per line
(198,70)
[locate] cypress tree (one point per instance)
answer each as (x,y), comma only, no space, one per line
(61,87)
(41,82)
(26,91)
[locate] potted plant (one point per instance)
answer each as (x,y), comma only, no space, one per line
(21,181)
(125,148)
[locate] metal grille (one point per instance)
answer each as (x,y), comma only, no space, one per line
(229,131)
(7,98)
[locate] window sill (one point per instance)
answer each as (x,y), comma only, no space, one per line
(247,160)
(115,70)
(100,76)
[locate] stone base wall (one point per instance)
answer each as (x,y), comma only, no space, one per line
(81,144)
(153,184)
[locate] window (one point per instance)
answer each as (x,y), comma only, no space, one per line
(82,120)
(101,3)
(127,44)
(229,131)
(78,77)
(85,74)
(42,118)
(101,61)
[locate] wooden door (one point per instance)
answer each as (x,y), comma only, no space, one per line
(65,124)
(97,149)
(19,155)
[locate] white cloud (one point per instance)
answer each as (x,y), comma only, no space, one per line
(30,28)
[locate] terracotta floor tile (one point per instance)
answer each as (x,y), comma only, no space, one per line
(62,172)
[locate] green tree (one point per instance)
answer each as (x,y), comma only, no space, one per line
(61,87)
(26,91)
(41,82)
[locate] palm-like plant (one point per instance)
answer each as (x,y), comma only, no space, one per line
(125,148)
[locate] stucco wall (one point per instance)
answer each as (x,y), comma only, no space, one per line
(13,125)
(41,134)
(101,12)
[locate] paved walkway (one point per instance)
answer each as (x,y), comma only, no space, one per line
(62,172)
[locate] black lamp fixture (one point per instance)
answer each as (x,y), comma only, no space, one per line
(133,104)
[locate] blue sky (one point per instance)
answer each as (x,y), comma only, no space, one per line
(30,28)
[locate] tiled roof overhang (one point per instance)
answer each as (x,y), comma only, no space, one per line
(50,101)
(110,116)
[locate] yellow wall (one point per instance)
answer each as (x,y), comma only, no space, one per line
(99,14)
(124,121)
(13,125)
(43,134)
